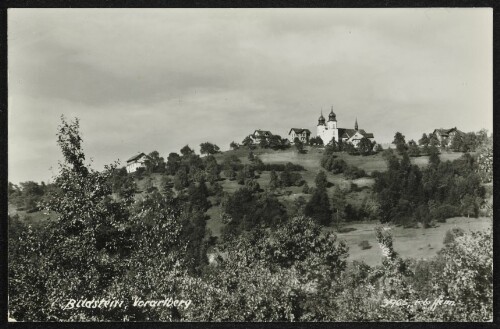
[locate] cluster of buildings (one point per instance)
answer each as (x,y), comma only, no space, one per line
(326,130)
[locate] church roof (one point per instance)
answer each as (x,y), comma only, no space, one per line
(348,133)
(300,131)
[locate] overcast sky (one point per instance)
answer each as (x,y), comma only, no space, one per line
(158,79)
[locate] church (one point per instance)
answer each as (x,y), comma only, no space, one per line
(329,130)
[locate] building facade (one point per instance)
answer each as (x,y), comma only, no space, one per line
(446,134)
(300,133)
(136,162)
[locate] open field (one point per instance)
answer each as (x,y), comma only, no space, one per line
(408,242)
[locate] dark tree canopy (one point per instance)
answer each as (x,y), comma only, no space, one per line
(209,148)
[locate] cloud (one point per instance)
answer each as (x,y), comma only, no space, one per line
(143,79)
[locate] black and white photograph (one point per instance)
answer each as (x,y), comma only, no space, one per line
(250,164)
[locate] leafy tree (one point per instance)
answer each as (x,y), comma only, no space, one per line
(321,180)
(181,180)
(424,141)
(248,142)
(315,141)
(234,146)
(339,204)
(433,140)
(273,182)
(186,151)
(209,148)
(378,148)
(485,161)
(399,141)
(413,150)
(318,207)
(298,145)
(365,146)
(434,159)
(154,163)
(173,163)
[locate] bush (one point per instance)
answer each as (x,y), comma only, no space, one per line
(452,234)
(364,245)
(353,172)
(440,213)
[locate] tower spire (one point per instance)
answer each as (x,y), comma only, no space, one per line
(356,124)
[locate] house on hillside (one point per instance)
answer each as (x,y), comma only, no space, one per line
(300,133)
(136,162)
(259,134)
(446,134)
(329,130)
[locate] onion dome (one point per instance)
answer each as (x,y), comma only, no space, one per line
(332,116)
(321,120)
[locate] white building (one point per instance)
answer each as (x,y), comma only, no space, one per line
(300,133)
(329,130)
(136,162)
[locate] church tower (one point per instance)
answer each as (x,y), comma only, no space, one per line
(320,130)
(332,120)
(356,125)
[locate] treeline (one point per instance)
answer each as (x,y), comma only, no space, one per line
(27,195)
(408,194)
(460,142)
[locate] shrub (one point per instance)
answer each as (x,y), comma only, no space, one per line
(452,234)
(364,245)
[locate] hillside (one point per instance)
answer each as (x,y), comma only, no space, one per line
(423,241)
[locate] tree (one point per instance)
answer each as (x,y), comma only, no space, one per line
(485,160)
(424,141)
(154,163)
(315,141)
(433,140)
(212,169)
(248,142)
(339,204)
(273,182)
(274,142)
(321,181)
(399,141)
(434,159)
(173,163)
(69,256)
(318,207)
(413,150)
(365,146)
(298,145)
(186,151)
(181,179)
(379,148)
(209,148)
(234,146)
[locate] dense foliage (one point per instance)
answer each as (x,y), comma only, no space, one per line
(407,193)
(111,240)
